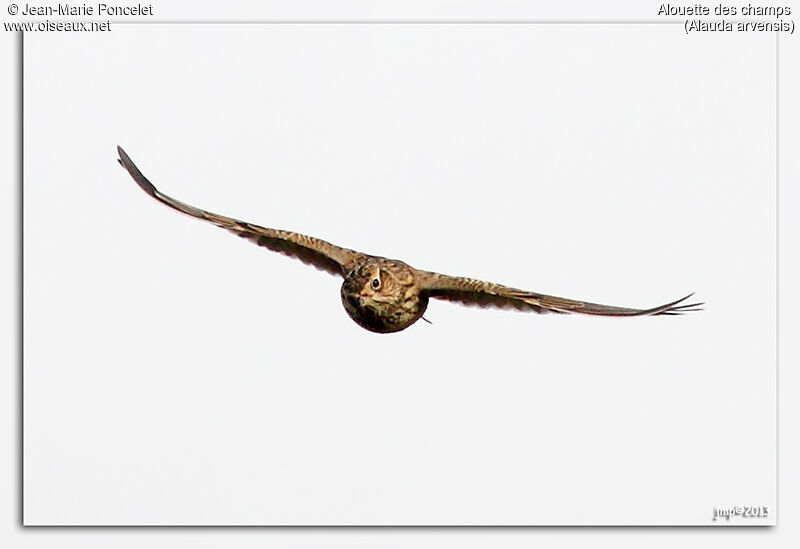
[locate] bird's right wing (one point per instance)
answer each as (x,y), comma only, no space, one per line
(313,251)
(468,291)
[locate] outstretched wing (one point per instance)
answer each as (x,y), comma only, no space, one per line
(313,251)
(468,291)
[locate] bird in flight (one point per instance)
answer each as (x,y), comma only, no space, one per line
(386,295)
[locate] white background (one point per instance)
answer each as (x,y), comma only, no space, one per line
(542,322)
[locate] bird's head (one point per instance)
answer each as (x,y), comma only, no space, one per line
(371,285)
(380,295)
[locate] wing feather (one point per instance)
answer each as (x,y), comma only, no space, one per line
(313,251)
(469,291)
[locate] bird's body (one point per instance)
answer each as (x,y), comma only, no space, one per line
(382,295)
(385,295)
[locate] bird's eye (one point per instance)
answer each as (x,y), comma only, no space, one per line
(376,283)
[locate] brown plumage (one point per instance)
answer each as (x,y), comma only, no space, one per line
(385,295)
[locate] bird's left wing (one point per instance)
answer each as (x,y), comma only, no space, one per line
(468,291)
(313,251)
